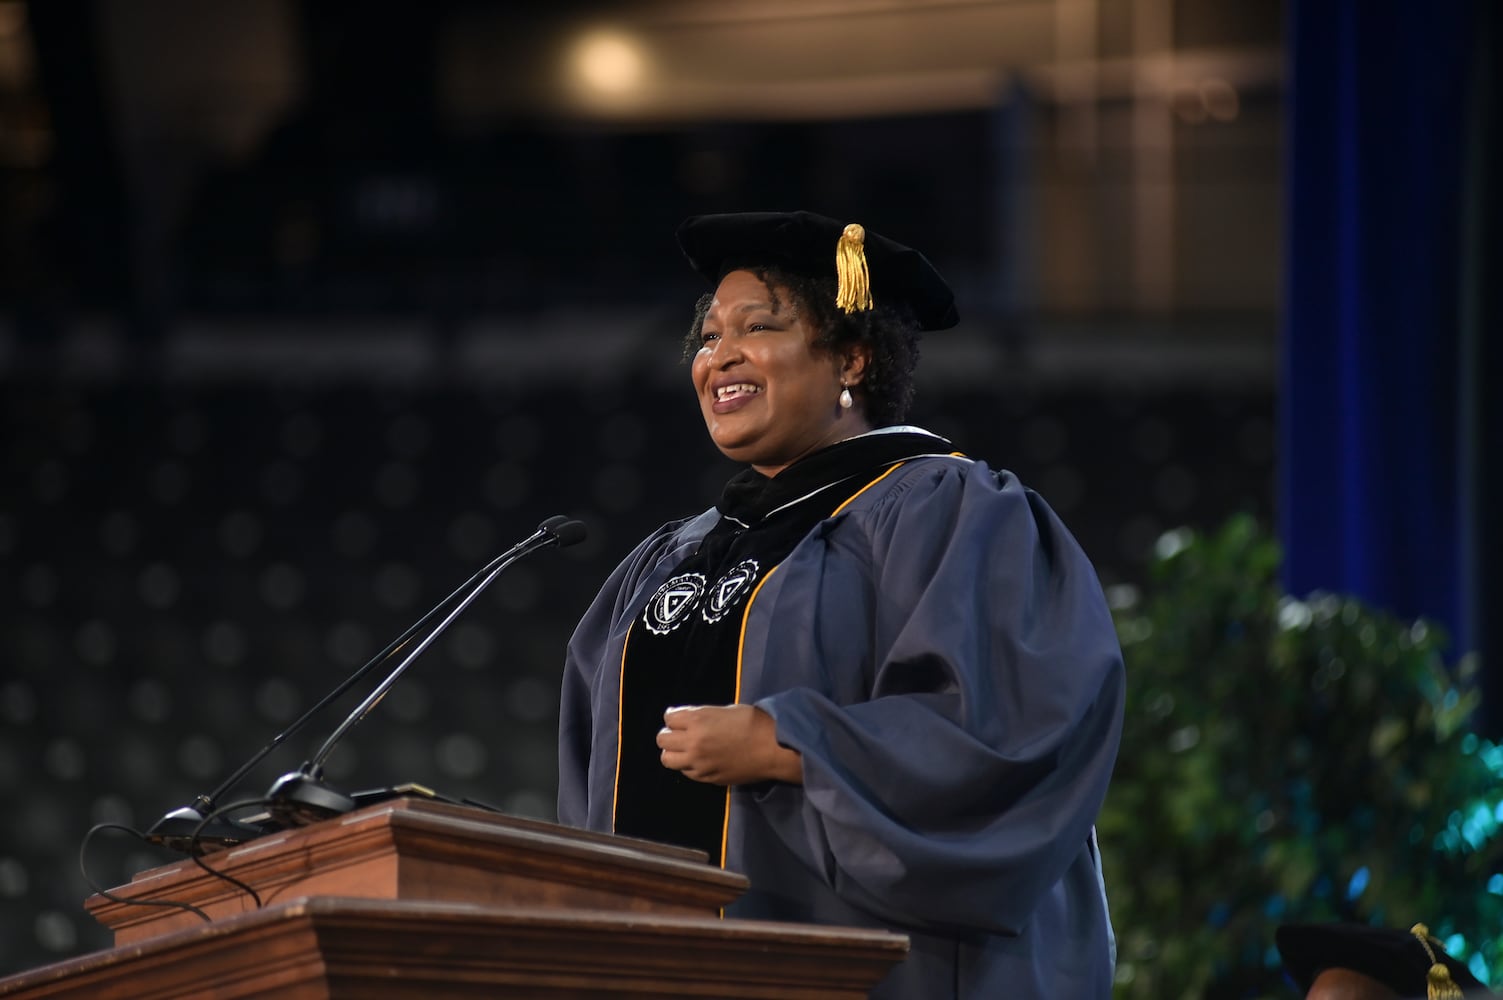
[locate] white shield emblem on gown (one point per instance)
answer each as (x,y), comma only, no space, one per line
(729,590)
(674,601)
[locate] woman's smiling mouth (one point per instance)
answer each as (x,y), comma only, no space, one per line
(733,396)
(727,392)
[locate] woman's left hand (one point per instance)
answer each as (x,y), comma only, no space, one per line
(727,745)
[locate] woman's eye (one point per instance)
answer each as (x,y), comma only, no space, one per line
(706,336)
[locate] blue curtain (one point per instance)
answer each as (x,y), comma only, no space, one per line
(1381,441)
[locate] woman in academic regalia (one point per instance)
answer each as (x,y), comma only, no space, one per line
(877,677)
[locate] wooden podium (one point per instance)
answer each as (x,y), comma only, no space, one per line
(415,898)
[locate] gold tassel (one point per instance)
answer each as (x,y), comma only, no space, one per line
(853,286)
(1438,982)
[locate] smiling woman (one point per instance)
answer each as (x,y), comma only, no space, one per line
(877,677)
(770,395)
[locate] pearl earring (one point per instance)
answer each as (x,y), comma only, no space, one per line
(845,397)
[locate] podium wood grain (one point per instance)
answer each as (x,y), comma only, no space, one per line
(364,948)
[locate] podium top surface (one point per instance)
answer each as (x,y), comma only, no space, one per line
(422,850)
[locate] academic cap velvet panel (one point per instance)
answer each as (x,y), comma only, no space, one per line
(805,243)
(1393,957)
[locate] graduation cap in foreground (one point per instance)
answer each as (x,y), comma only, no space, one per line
(867,267)
(1412,964)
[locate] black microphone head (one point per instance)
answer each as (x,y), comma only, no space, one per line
(564,530)
(571,533)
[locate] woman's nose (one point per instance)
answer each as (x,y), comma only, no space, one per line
(723,354)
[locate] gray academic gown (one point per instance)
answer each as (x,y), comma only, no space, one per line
(941,655)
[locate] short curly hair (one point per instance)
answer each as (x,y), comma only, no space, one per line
(890,333)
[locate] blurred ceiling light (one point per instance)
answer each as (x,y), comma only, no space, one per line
(1220,100)
(608,63)
(1210,99)
(1189,104)
(12,19)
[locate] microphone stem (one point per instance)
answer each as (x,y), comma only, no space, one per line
(536,541)
(206,803)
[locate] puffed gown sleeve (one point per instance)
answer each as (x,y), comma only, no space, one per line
(943,659)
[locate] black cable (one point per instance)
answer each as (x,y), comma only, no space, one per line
(197,856)
(83,870)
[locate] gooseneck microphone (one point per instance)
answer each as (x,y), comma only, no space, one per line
(301,797)
(184,829)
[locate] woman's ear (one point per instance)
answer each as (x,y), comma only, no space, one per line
(853,362)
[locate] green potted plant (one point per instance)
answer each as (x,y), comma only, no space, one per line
(1288,761)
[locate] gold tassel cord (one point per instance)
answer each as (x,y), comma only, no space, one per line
(1438,982)
(853,286)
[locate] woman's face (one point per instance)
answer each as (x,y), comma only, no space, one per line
(768,396)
